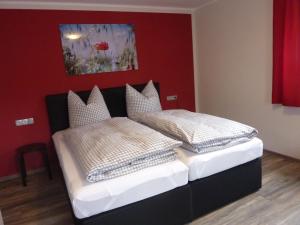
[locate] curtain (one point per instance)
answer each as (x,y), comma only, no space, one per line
(286,53)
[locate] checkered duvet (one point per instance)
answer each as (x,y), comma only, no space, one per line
(199,132)
(118,146)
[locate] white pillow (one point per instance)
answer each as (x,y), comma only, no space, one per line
(146,101)
(81,114)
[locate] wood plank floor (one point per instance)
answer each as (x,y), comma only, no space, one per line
(44,202)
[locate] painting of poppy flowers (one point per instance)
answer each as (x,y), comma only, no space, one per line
(98,48)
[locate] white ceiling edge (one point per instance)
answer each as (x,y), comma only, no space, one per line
(203,5)
(91,7)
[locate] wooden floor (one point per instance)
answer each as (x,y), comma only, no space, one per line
(44,202)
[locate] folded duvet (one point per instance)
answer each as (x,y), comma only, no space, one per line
(199,132)
(118,146)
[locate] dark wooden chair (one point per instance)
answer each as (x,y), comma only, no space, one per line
(35,147)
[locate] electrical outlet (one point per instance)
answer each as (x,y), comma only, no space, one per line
(24,122)
(172,98)
(30,121)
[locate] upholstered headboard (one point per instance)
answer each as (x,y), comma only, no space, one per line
(57,105)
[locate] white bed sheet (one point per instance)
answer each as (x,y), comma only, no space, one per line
(89,199)
(204,165)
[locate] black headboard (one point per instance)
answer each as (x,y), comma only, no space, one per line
(57,105)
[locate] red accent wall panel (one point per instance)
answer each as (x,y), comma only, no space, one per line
(32,67)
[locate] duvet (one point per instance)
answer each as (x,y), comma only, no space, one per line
(118,146)
(199,132)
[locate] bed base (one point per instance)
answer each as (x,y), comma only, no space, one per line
(187,203)
(169,208)
(213,192)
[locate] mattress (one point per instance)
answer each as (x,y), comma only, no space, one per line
(88,199)
(204,165)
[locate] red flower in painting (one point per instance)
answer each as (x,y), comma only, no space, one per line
(102,46)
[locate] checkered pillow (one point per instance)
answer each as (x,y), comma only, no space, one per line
(146,101)
(81,114)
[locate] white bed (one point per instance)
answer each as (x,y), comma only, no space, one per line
(204,165)
(89,199)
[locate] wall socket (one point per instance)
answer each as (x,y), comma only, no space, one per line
(172,98)
(24,122)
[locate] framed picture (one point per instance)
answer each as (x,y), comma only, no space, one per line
(98,48)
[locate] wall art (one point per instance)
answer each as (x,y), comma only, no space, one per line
(98,48)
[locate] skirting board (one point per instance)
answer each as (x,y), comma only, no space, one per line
(31,172)
(284,155)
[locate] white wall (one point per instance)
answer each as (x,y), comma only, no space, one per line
(234,65)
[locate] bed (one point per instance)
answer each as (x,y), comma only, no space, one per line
(174,203)
(220,177)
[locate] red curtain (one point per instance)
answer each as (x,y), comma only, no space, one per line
(286,53)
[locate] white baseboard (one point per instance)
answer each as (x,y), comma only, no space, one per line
(14,176)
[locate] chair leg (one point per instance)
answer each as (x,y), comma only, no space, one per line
(23,169)
(47,164)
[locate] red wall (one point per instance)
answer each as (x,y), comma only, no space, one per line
(32,67)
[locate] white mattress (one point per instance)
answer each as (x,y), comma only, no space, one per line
(204,165)
(88,199)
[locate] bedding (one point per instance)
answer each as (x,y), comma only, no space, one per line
(118,146)
(81,114)
(145,101)
(88,199)
(204,165)
(199,132)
